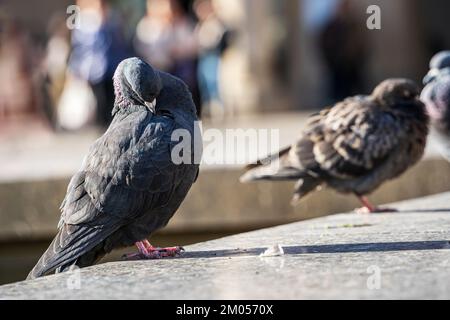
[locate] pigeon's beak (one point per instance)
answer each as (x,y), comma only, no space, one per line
(151,106)
(432,74)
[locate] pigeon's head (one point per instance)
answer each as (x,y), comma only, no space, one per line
(440,60)
(437,99)
(396,91)
(136,83)
(439,64)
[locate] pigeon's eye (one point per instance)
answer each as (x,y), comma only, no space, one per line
(407,94)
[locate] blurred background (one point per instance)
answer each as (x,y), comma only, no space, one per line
(248,63)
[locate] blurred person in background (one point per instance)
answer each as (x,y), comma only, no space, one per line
(344,49)
(18,93)
(166,39)
(24,93)
(55,62)
(98,46)
(212,41)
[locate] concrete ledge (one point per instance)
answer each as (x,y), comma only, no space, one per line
(35,168)
(403,255)
(217,202)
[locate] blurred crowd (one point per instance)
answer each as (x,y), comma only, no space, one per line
(68,79)
(345,51)
(236,56)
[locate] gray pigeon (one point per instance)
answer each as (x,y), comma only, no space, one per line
(354,146)
(128,186)
(436,96)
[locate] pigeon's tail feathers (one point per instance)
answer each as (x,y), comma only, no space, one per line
(275,167)
(70,244)
(269,159)
(271,173)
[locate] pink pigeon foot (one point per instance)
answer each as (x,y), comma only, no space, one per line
(369,208)
(147,251)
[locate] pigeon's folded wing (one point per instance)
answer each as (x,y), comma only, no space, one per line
(125,173)
(122,171)
(349,140)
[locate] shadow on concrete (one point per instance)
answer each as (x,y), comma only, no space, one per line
(333,248)
(440,210)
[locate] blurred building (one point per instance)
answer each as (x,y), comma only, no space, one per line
(275,62)
(285,69)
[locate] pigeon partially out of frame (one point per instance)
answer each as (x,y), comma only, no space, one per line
(354,146)
(436,96)
(128,186)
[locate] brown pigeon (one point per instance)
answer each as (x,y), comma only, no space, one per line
(354,146)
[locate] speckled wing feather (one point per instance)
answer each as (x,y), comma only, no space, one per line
(348,140)
(124,175)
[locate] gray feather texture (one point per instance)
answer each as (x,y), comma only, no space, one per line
(354,146)
(128,185)
(436,96)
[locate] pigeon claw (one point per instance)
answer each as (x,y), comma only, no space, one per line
(142,256)
(148,252)
(366,210)
(170,252)
(370,208)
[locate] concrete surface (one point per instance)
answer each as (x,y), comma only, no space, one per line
(33,154)
(36,167)
(404,255)
(216,203)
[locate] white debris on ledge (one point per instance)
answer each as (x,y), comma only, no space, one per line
(274,251)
